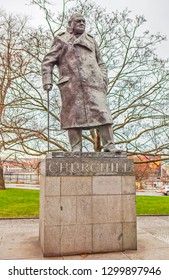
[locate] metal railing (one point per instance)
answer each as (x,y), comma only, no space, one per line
(21,178)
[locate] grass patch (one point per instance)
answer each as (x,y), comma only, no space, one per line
(19,203)
(152,205)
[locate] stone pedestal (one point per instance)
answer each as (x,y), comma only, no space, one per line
(87,204)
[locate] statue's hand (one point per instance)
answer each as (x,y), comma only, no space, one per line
(47,87)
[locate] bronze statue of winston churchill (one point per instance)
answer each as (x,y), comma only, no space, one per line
(82,82)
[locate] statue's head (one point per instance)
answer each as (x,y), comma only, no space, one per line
(76,24)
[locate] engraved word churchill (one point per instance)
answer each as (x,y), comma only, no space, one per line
(88,166)
(83,167)
(82,83)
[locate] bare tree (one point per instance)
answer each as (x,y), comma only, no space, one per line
(138,82)
(23,104)
(138,79)
(12,67)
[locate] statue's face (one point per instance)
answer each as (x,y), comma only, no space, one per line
(78,25)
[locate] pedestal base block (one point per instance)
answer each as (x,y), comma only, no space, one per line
(87,204)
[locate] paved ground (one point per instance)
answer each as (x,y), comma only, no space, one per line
(22,186)
(154,192)
(19,240)
(150,192)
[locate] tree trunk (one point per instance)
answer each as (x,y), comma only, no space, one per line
(2,182)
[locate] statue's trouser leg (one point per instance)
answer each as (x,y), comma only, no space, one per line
(107,138)
(75,139)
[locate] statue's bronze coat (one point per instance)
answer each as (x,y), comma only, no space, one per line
(82,80)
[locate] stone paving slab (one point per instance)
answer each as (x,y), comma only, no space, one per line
(19,239)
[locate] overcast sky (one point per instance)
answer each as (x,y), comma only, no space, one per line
(156,13)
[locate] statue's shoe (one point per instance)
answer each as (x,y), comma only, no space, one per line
(111,148)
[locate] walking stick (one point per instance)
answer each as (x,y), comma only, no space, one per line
(48,117)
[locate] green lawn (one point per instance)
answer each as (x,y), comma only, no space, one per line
(153,205)
(19,203)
